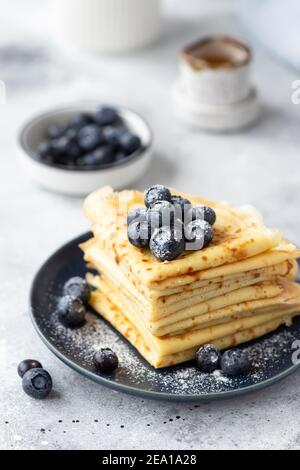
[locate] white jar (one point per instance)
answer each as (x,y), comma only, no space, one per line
(105,26)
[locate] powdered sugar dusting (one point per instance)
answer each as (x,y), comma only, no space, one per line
(270,355)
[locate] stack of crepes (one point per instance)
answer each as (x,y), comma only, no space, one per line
(236,289)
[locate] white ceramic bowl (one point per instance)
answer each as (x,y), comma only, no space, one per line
(77,181)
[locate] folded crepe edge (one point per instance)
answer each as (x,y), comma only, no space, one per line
(131,334)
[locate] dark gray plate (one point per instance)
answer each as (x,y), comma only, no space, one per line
(272,354)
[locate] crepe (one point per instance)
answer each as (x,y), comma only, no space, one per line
(280,296)
(184,300)
(283,252)
(101,261)
(171,344)
(237,288)
(241,333)
(238,234)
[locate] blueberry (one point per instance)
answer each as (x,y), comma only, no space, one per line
(182,201)
(71,311)
(90,137)
(198,234)
(65,149)
(106,116)
(204,213)
(37,383)
(80,120)
(182,204)
(120,156)
(50,159)
(87,161)
(101,156)
(137,214)
(77,287)
(138,234)
(59,146)
(166,243)
(73,151)
(208,358)
(71,134)
(105,360)
(154,220)
(28,364)
(44,150)
(157,193)
(55,132)
(120,129)
(162,213)
(104,155)
(112,134)
(129,142)
(235,362)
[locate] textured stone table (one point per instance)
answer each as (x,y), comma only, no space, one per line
(259,166)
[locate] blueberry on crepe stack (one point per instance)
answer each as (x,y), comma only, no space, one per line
(169,224)
(168,299)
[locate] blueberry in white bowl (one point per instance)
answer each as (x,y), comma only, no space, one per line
(80,120)
(90,137)
(106,116)
(78,148)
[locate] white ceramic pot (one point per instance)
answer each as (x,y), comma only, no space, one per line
(215,71)
(105,26)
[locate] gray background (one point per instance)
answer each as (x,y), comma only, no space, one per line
(258,166)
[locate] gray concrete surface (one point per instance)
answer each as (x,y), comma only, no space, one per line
(260,166)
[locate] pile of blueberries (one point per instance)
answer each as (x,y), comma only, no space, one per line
(89,141)
(234,362)
(169,224)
